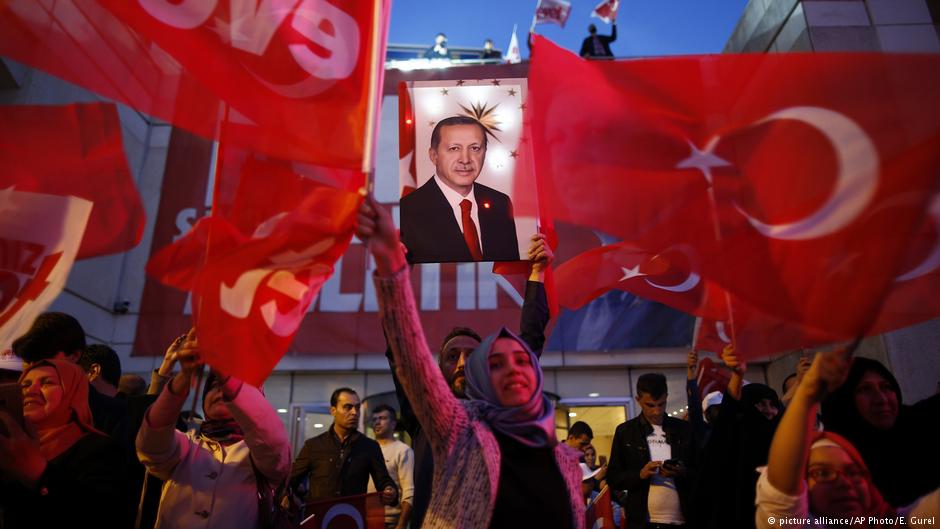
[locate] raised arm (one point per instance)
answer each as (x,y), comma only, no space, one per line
(738,366)
(535,313)
(160,446)
(440,413)
(264,433)
(789,450)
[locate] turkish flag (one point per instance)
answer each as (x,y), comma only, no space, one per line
(295,80)
(257,264)
(75,150)
(795,181)
(350,512)
(606,10)
(711,376)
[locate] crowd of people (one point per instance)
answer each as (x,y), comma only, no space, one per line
(91,446)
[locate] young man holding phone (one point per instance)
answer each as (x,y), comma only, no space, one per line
(650,458)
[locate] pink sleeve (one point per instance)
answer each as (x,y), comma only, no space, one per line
(440,413)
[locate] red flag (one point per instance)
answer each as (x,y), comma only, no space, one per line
(712,377)
(75,150)
(299,79)
(606,10)
(552,12)
(601,511)
(407,170)
(699,151)
(272,241)
(350,512)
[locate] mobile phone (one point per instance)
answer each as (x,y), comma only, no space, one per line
(671,463)
(11,401)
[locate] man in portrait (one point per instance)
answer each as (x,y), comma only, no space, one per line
(452,217)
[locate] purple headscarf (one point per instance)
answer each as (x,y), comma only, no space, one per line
(533,423)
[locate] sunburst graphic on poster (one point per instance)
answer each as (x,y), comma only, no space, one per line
(499,106)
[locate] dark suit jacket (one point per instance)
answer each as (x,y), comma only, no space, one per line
(432,234)
(587,46)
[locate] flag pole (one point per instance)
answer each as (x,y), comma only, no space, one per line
(535,15)
(378,35)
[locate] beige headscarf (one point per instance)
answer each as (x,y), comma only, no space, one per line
(56,440)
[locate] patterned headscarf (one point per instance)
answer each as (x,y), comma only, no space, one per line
(533,423)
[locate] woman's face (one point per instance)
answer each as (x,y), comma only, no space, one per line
(876,400)
(214,406)
(511,373)
(590,456)
(837,486)
(42,398)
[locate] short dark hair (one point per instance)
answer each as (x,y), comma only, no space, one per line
(453,121)
(580,428)
(50,333)
(592,29)
(105,357)
(460,331)
(654,384)
(385,407)
(784,385)
(334,398)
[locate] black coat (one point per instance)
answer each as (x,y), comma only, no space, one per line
(82,487)
(431,233)
(338,468)
(587,47)
(727,473)
(629,452)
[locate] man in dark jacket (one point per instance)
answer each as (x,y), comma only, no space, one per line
(598,46)
(340,461)
(651,458)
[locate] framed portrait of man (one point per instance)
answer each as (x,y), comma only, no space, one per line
(457,180)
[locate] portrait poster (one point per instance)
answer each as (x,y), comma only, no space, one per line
(436,182)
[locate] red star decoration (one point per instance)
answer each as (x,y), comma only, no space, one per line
(461,82)
(444,91)
(522,106)
(514,154)
(511,92)
(495,82)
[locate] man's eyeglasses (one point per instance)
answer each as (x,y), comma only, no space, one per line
(829,474)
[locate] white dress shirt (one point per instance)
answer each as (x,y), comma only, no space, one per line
(454,199)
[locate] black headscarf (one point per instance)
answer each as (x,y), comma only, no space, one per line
(903,460)
(222,431)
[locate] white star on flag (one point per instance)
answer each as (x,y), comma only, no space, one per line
(630,273)
(704,159)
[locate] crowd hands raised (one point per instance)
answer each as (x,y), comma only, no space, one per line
(838,448)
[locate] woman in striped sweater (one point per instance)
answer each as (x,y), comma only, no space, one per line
(497,462)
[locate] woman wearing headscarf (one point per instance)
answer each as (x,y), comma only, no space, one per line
(211,475)
(818,479)
(737,446)
(897,441)
(68,473)
(497,462)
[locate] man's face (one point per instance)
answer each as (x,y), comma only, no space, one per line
(346,411)
(578,443)
(653,409)
(458,158)
(383,424)
(456,352)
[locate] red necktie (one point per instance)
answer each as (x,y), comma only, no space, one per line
(470,230)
